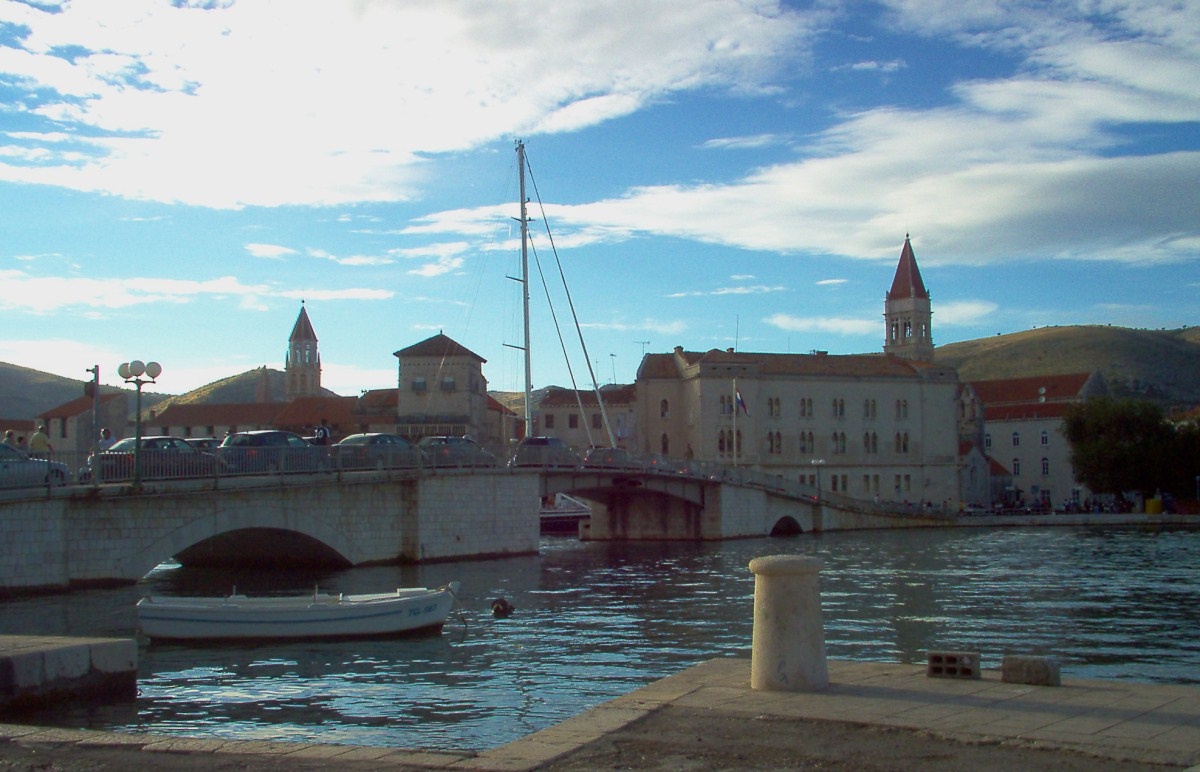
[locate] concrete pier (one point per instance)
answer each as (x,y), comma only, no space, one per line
(873,715)
(44,670)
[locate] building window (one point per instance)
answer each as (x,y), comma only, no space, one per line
(987,441)
(839,408)
(597,423)
(1016,439)
(448,383)
(1016,467)
(548,420)
(726,407)
(1045,467)
(418,384)
(721,443)
(573,421)
(664,410)
(1045,439)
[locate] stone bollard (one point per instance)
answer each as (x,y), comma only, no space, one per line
(788,649)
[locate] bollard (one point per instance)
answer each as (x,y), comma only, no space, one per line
(788,648)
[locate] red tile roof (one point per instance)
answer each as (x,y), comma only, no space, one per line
(77,406)
(1025,412)
(1038,389)
(308,411)
(658,366)
(438,346)
(907,283)
(215,414)
(612,395)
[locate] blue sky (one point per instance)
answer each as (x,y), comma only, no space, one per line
(175,177)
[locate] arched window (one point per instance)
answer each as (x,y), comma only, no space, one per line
(987,440)
(664,409)
(1045,466)
(1045,439)
(738,440)
(866,442)
(842,442)
(833,444)
(1016,439)
(897,443)
(803,443)
(721,442)
(665,443)
(905,442)
(1016,467)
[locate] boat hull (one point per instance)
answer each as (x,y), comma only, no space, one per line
(317,616)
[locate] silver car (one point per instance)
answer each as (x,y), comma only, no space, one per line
(17,470)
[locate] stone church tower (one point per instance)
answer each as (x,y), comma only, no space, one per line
(302,366)
(908,313)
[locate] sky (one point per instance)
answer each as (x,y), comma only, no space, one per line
(177,178)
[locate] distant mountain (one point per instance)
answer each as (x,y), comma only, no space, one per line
(1159,365)
(26,393)
(262,384)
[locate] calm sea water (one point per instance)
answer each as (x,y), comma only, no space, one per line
(594,621)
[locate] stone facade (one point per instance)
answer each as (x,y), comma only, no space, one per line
(443,392)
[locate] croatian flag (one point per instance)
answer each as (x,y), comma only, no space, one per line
(741,403)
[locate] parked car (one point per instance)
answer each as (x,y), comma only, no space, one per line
(161,457)
(204,443)
(455,451)
(270,450)
(544,451)
(610,458)
(376,450)
(18,470)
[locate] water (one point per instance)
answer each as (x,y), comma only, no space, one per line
(594,621)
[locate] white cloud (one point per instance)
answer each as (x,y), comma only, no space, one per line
(759,289)
(834,325)
(658,326)
(353,260)
(269,251)
(180,103)
(957,313)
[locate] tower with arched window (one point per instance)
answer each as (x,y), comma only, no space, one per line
(907,311)
(302,365)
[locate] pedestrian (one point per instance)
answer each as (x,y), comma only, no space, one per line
(322,433)
(106,439)
(39,443)
(10,439)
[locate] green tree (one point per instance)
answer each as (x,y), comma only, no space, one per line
(1119,445)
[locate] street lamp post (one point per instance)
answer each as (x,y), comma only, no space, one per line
(817,462)
(132,372)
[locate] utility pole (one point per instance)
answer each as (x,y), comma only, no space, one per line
(95,389)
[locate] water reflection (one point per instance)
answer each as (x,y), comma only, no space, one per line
(597,620)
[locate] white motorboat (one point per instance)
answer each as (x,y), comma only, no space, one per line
(315,615)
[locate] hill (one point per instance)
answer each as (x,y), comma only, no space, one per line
(25,393)
(1159,365)
(262,384)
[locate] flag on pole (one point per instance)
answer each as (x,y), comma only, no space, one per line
(741,403)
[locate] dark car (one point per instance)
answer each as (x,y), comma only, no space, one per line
(610,458)
(17,470)
(162,457)
(204,443)
(545,452)
(270,450)
(375,450)
(455,451)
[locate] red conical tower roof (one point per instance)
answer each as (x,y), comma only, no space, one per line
(303,329)
(907,283)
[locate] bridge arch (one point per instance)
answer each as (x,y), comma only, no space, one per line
(222,526)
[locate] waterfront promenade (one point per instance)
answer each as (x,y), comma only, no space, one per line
(873,716)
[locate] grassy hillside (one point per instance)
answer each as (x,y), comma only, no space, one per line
(1161,365)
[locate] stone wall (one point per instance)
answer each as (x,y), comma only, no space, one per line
(112,534)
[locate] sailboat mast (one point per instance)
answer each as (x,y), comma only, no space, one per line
(525,289)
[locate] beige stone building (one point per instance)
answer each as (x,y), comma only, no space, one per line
(865,425)
(1022,432)
(442,391)
(559,415)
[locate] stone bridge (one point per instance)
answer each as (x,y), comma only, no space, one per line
(80,535)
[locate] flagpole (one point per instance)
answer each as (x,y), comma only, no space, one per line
(733,439)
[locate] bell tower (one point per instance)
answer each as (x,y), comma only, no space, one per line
(302,366)
(907,311)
